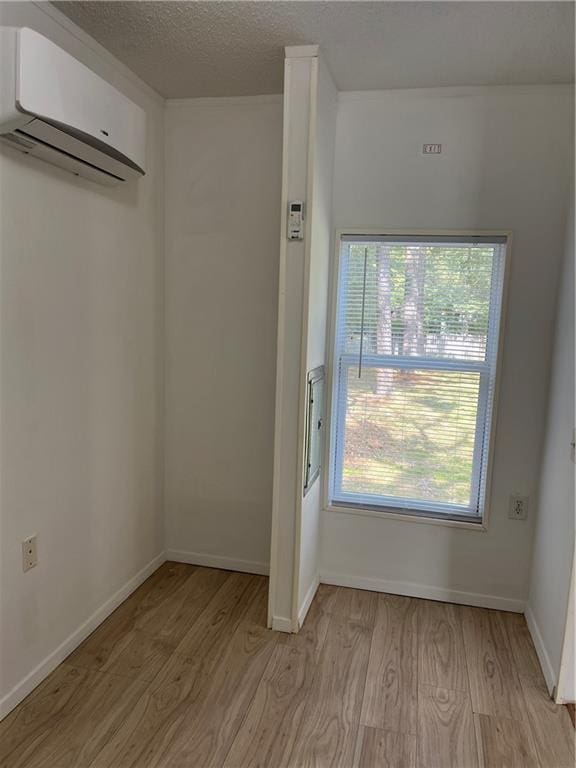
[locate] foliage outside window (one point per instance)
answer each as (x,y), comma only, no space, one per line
(415,372)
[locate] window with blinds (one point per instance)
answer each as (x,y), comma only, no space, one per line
(416,349)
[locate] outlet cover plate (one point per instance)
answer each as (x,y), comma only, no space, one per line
(29,553)
(518,509)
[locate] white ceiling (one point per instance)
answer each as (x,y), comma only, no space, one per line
(187,49)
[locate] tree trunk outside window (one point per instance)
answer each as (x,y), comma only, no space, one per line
(384,378)
(414,336)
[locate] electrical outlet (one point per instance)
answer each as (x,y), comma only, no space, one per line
(518,509)
(29,553)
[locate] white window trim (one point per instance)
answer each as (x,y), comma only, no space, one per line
(482,523)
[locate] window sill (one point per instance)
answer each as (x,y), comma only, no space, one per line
(479,526)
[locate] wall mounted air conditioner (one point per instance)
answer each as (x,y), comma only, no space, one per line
(54,108)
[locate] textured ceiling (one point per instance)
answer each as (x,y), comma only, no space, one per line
(185,49)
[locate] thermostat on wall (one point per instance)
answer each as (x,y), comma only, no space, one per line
(296,220)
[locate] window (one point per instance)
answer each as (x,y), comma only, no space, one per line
(415,355)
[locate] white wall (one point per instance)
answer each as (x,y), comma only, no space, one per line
(505,165)
(320,213)
(80,384)
(553,554)
(223,171)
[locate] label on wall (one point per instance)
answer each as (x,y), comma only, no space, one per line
(432,149)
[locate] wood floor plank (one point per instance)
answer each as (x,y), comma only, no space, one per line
(266,736)
(152,725)
(40,709)
(221,616)
(327,735)
(550,724)
(132,654)
(268,732)
(441,654)
(257,602)
(170,620)
(173,694)
(504,743)
(313,632)
(494,682)
(118,645)
(391,696)
(96,704)
(385,749)
(152,593)
(446,737)
(209,727)
(523,651)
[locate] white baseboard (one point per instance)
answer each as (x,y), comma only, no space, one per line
(49,664)
(281,623)
(217,561)
(541,651)
(307,602)
(409,589)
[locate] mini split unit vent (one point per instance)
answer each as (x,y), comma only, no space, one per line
(54,108)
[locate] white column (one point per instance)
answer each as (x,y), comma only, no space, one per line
(308,150)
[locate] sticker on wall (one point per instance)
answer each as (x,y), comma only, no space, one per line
(432,149)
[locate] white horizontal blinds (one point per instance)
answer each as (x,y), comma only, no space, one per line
(416,351)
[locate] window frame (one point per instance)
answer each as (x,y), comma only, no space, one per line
(424,515)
